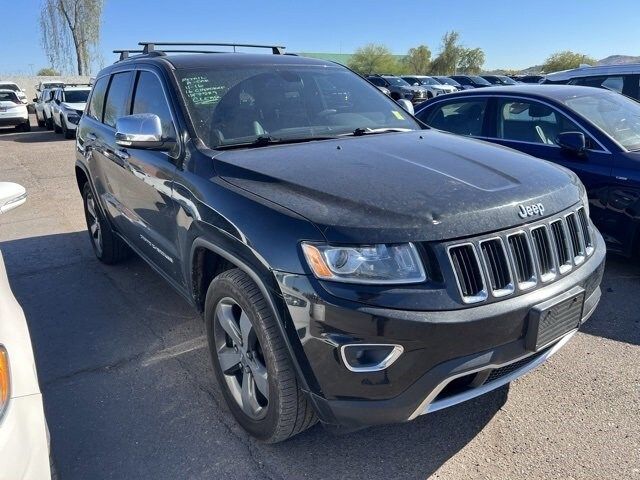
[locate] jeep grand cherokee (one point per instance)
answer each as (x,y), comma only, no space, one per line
(351,265)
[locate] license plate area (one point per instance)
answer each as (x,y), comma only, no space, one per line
(549,320)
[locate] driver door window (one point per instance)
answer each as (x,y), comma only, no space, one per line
(531,122)
(150,98)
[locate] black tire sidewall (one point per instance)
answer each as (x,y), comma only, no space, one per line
(220,288)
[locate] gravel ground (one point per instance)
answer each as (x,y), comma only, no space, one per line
(129,391)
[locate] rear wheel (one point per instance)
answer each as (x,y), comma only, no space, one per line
(56,128)
(41,123)
(251,361)
(48,122)
(107,246)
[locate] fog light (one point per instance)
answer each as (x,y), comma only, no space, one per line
(367,357)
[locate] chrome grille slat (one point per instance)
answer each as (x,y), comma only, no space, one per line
(520,259)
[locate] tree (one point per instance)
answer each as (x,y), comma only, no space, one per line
(566,60)
(418,60)
(471,61)
(373,58)
(67,25)
(454,57)
(48,72)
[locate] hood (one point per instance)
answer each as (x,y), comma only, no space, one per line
(74,106)
(394,187)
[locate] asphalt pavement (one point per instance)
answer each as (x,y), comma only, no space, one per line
(129,391)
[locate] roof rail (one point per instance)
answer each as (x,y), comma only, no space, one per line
(149,47)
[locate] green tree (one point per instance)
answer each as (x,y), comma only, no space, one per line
(67,25)
(471,61)
(418,60)
(454,57)
(373,58)
(48,72)
(566,60)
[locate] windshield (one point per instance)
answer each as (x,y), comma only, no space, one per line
(397,81)
(429,81)
(616,114)
(9,86)
(479,80)
(76,96)
(506,80)
(241,105)
(449,81)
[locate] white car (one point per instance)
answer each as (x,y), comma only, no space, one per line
(13,112)
(24,440)
(67,107)
(433,86)
(42,105)
(14,86)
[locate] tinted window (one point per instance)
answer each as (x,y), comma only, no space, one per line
(97,99)
(464,117)
(149,98)
(9,97)
(117,97)
(377,81)
(9,86)
(75,96)
(531,122)
(614,83)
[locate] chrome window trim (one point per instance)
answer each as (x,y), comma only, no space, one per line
(395,353)
(482,295)
(510,288)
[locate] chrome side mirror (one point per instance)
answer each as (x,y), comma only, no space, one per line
(406,105)
(12,195)
(141,130)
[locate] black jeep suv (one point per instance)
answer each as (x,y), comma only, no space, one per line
(351,265)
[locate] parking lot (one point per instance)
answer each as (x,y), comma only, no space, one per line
(129,391)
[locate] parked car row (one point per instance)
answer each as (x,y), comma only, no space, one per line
(414,88)
(60,107)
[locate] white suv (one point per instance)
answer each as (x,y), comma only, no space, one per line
(13,112)
(623,79)
(67,107)
(14,86)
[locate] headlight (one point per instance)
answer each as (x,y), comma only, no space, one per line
(371,264)
(4,380)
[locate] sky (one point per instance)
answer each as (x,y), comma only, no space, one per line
(513,33)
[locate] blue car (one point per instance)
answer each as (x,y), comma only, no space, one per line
(592,131)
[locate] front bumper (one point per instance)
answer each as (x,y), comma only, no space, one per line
(24,449)
(439,347)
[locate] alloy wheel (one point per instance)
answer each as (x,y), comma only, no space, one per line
(94,224)
(241,359)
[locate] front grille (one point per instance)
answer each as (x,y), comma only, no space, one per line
(520,259)
(543,251)
(467,270)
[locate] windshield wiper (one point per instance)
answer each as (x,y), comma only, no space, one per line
(264,140)
(372,131)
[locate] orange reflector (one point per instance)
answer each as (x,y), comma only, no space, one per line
(4,378)
(316,262)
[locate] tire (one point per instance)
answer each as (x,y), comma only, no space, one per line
(41,123)
(26,127)
(56,128)
(69,134)
(284,411)
(48,122)
(107,246)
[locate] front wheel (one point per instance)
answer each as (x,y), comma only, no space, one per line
(68,134)
(107,246)
(56,128)
(251,361)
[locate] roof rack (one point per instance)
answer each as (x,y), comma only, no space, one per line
(149,47)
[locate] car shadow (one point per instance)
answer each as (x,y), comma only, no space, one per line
(617,316)
(36,135)
(94,327)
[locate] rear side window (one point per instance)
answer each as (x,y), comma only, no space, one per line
(117,98)
(615,83)
(464,117)
(8,97)
(97,99)
(149,98)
